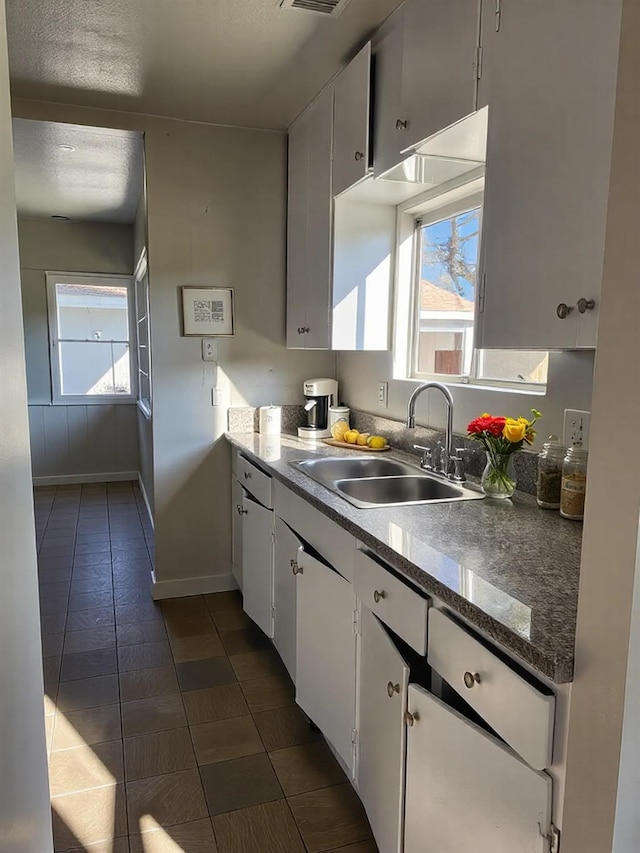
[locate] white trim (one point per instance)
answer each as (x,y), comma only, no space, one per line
(57,397)
(191,586)
(145,497)
(75,479)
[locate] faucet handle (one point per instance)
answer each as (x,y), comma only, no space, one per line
(427,457)
(458,465)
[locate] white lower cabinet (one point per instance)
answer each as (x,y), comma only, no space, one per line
(284,594)
(465,791)
(237,509)
(326,652)
(383,682)
(257,563)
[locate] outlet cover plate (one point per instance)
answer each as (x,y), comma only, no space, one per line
(576,427)
(208,349)
(383,394)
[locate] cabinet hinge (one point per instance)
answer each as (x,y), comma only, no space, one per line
(481,290)
(552,838)
(273,613)
(356,623)
(498,15)
(354,751)
(479,62)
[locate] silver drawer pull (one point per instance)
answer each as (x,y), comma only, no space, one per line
(247,475)
(470,679)
(392,688)
(379,595)
(585,305)
(410,718)
(295,568)
(242,511)
(401,125)
(359,155)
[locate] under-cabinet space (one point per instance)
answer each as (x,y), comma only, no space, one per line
(517,706)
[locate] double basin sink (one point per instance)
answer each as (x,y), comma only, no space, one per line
(368,482)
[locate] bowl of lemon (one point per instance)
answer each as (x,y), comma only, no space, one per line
(344,436)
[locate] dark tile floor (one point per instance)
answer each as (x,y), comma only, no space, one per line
(171,728)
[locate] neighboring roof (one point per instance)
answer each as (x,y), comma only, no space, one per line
(91,290)
(433,298)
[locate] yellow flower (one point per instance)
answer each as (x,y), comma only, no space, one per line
(485,415)
(524,421)
(515,430)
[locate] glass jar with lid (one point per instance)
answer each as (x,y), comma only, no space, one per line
(550,462)
(574,482)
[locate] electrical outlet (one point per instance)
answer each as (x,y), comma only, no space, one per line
(208,349)
(576,427)
(383,394)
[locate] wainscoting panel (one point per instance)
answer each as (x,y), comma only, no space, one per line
(83,441)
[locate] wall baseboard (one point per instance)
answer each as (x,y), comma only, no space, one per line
(191,586)
(145,497)
(77,479)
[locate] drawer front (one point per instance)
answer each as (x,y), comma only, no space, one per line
(335,545)
(397,605)
(517,710)
(255,481)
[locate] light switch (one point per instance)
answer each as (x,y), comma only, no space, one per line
(208,349)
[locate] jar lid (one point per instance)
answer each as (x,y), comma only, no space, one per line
(553,443)
(577,453)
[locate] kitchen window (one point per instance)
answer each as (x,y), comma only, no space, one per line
(143,335)
(90,333)
(444,304)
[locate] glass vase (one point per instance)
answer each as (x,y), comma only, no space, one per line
(499,476)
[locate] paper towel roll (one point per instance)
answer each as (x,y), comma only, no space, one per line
(270,420)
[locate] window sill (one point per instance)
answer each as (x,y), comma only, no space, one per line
(528,390)
(94,401)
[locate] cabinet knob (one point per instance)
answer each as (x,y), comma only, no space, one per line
(585,305)
(359,155)
(241,511)
(295,568)
(401,125)
(247,475)
(471,678)
(563,310)
(410,718)
(303,330)
(378,595)
(392,688)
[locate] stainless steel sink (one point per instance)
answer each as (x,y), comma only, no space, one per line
(369,483)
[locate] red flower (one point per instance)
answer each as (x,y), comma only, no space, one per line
(488,424)
(497,426)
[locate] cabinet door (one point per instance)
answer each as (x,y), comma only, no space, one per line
(351,122)
(326,651)
(284,594)
(297,266)
(388,140)
(257,563)
(383,681)
(237,510)
(547,175)
(319,223)
(439,76)
(465,791)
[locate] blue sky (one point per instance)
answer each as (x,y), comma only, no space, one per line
(438,234)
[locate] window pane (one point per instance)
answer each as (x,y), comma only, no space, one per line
(448,265)
(94,368)
(513,365)
(93,313)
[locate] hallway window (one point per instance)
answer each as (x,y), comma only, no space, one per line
(90,333)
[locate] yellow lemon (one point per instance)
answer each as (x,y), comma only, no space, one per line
(377,442)
(339,429)
(362,438)
(351,436)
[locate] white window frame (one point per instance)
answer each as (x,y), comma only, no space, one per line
(454,197)
(97,280)
(143,312)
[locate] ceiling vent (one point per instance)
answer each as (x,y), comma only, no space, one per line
(326,8)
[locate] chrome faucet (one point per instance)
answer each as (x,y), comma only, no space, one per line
(449,455)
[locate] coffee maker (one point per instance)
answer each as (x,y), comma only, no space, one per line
(319,395)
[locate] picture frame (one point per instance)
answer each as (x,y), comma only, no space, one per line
(207,311)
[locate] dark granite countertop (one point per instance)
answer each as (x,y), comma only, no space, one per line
(508,567)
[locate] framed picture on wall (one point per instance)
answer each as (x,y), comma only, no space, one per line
(207,311)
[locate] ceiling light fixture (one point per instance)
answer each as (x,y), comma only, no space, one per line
(66,148)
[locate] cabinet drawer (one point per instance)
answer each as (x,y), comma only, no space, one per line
(255,481)
(335,545)
(514,704)
(397,605)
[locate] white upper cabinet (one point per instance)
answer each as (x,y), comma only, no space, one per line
(547,174)
(425,75)
(310,227)
(351,113)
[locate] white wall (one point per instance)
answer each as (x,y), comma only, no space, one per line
(569,386)
(216,208)
(25,817)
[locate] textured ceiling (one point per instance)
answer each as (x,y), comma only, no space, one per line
(240,62)
(99,181)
